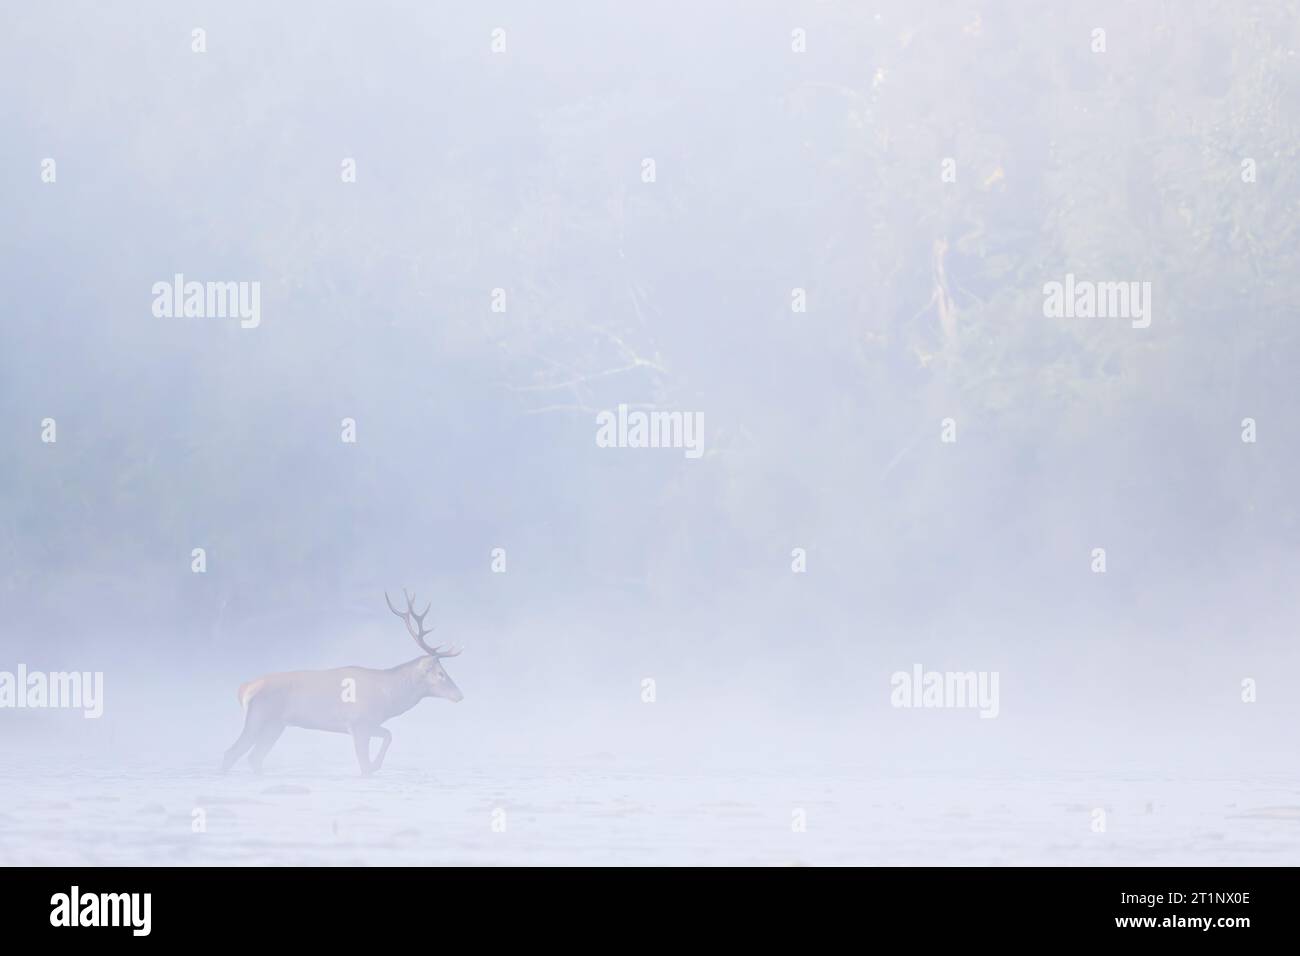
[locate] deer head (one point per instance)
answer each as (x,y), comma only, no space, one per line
(437,682)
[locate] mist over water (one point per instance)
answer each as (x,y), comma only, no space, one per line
(798,273)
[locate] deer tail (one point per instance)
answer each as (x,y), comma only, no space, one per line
(246,692)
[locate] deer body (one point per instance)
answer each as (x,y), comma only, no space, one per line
(346,700)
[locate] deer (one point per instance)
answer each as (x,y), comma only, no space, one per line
(345,700)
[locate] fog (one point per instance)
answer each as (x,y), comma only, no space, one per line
(823,231)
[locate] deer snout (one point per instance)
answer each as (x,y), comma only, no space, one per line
(446,689)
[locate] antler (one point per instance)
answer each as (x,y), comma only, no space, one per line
(415,626)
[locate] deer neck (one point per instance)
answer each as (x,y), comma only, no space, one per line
(408,687)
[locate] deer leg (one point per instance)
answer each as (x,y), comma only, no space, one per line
(247,738)
(265,741)
(361,741)
(386,736)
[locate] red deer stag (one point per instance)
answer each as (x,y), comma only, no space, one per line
(346,700)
